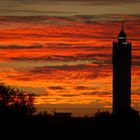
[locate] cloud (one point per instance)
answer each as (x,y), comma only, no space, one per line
(21,47)
(71,1)
(56,87)
(91,72)
(100,74)
(67,59)
(62,7)
(84,88)
(36,90)
(64,32)
(93,19)
(38,12)
(61,73)
(52,69)
(100,71)
(21,77)
(68,95)
(80,67)
(42,70)
(97,93)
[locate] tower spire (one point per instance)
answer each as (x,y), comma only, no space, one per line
(122,35)
(122,25)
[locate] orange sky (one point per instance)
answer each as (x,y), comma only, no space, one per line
(66,61)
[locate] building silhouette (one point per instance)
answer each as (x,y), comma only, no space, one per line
(121,74)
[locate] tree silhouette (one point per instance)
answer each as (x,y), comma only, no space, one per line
(15,101)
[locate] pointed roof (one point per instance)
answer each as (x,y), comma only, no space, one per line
(122,32)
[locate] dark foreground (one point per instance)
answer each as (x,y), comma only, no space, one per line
(102,125)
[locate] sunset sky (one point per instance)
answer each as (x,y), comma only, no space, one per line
(61,50)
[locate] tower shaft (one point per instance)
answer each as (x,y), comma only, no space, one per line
(121,75)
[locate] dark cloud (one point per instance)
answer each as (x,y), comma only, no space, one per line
(21,78)
(22,19)
(47,69)
(26,7)
(77,18)
(73,1)
(94,19)
(97,93)
(94,71)
(42,70)
(72,68)
(84,88)
(91,56)
(36,7)
(136,60)
(48,73)
(76,46)
(21,47)
(68,95)
(36,90)
(96,75)
(52,71)
(56,87)
(36,11)
(136,57)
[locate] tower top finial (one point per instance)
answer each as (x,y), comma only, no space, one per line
(122,25)
(122,34)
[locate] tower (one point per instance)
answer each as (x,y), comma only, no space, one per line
(121,74)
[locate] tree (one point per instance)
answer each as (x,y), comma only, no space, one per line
(16,101)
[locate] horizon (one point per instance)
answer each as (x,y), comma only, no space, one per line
(64,55)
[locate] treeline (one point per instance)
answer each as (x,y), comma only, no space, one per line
(15,101)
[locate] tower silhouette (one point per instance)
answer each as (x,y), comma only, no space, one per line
(121,74)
